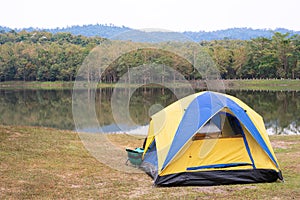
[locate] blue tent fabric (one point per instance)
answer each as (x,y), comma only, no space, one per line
(151,154)
(218,166)
(149,164)
(202,109)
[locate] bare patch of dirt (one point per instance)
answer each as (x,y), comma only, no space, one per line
(282,144)
(244,187)
(14,135)
(139,192)
(211,190)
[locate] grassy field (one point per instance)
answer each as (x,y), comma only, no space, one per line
(254,84)
(44,163)
(36,85)
(263,84)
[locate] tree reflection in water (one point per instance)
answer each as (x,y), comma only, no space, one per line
(53,108)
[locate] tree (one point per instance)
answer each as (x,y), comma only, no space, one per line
(283,49)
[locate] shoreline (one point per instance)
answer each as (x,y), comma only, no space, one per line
(233,84)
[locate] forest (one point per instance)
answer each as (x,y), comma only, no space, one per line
(45,56)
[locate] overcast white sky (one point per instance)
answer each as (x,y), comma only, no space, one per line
(174,15)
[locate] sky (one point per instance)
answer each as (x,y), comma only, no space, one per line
(173,15)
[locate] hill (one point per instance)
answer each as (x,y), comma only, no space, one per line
(4,29)
(112,31)
(236,33)
(101,30)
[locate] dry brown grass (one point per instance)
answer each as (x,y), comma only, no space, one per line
(43,163)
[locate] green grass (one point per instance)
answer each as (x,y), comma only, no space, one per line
(44,163)
(253,84)
(264,84)
(36,85)
(70,84)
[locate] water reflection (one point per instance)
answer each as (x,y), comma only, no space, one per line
(53,108)
(49,108)
(280,109)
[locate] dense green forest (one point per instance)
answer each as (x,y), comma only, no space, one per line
(261,57)
(44,56)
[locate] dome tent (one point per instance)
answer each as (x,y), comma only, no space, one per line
(208,138)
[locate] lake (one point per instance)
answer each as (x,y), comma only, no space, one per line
(53,108)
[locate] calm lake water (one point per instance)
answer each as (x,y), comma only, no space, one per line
(53,108)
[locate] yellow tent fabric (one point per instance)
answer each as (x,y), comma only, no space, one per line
(163,126)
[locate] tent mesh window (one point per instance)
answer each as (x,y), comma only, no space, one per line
(220,126)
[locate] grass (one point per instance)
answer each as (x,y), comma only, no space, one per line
(264,84)
(253,84)
(36,85)
(45,163)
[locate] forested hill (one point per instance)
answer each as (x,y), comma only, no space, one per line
(109,31)
(44,56)
(236,34)
(105,31)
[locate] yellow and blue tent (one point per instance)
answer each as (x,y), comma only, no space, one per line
(208,138)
